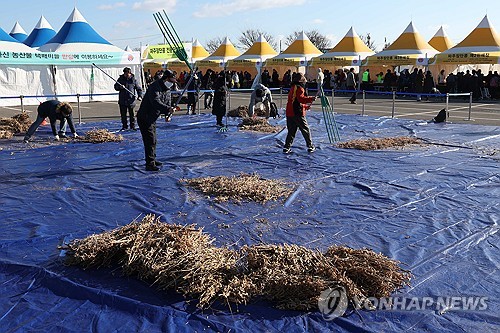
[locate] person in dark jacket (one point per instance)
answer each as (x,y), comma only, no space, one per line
(55,110)
(126,84)
(296,106)
(157,100)
(192,95)
(219,102)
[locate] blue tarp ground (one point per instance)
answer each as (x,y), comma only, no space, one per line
(433,207)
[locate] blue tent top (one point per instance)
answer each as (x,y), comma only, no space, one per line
(18,33)
(77,30)
(41,34)
(5,37)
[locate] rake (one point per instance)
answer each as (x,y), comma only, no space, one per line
(329,117)
(174,42)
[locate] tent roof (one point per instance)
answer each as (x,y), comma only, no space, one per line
(440,41)
(10,44)
(410,42)
(259,51)
(349,46)
(128,48)
(226,51)
(483,38)
(198,52)
(76,35)
(300,48)
(41,34)
(18,32)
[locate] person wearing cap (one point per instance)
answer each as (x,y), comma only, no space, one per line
(156,101)
(296,106)
(260,94)
(127,85)
(54,110)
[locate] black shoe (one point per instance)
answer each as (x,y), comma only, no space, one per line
(62,136)
(124,128)
(158,163)
(219,125)
(152,168)
(311,149)
(287,150)
(133,128)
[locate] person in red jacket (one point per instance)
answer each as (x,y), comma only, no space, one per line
(296,106)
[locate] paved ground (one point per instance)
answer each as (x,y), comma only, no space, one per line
(482,112)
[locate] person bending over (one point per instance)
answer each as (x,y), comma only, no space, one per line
(54,110)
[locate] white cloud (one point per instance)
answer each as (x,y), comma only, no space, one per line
(235,6)
(318,21)
(155,5)
(123,24)
(112,6)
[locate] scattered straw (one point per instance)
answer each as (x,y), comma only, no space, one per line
(241,112)
(379,143)
(258,125)
(184,258)
(249,187)
(100,136)
(6,134)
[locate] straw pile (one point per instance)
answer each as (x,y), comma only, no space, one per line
(17,124)
(379,143)
(100,136)
(248,187)
(258,125)
(184,258)
(241,112)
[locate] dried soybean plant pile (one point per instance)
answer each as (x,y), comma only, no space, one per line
(100,136)
(241,112)
(379,143)
(244,186)
(17,124)
(184,258)
(258,125)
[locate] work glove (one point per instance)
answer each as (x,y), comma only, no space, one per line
(75,135)
(56,137)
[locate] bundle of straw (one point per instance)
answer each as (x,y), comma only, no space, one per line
(17,124)
(184,258)
(100,136)
(241,112)
(240,187)
(258,125)
(378,143)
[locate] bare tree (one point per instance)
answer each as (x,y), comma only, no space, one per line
(213,44)
(367,39)
(250,36)
(319,40)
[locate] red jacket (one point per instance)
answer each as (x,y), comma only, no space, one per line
(297,92)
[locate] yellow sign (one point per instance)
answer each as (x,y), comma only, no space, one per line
(468,58)
(164,52)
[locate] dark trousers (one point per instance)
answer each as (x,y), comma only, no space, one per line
(353,97)
(124,109)
(219,119)
(148,133)
(294,123)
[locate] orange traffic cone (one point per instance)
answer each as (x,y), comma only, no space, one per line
(44,122)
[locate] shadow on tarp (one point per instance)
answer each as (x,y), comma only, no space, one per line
(434,207)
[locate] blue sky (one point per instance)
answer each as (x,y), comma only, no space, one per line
(131,22)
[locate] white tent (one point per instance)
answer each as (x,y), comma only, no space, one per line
(78,37)
(68,71)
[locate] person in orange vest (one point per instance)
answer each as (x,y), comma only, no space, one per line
(296,106)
